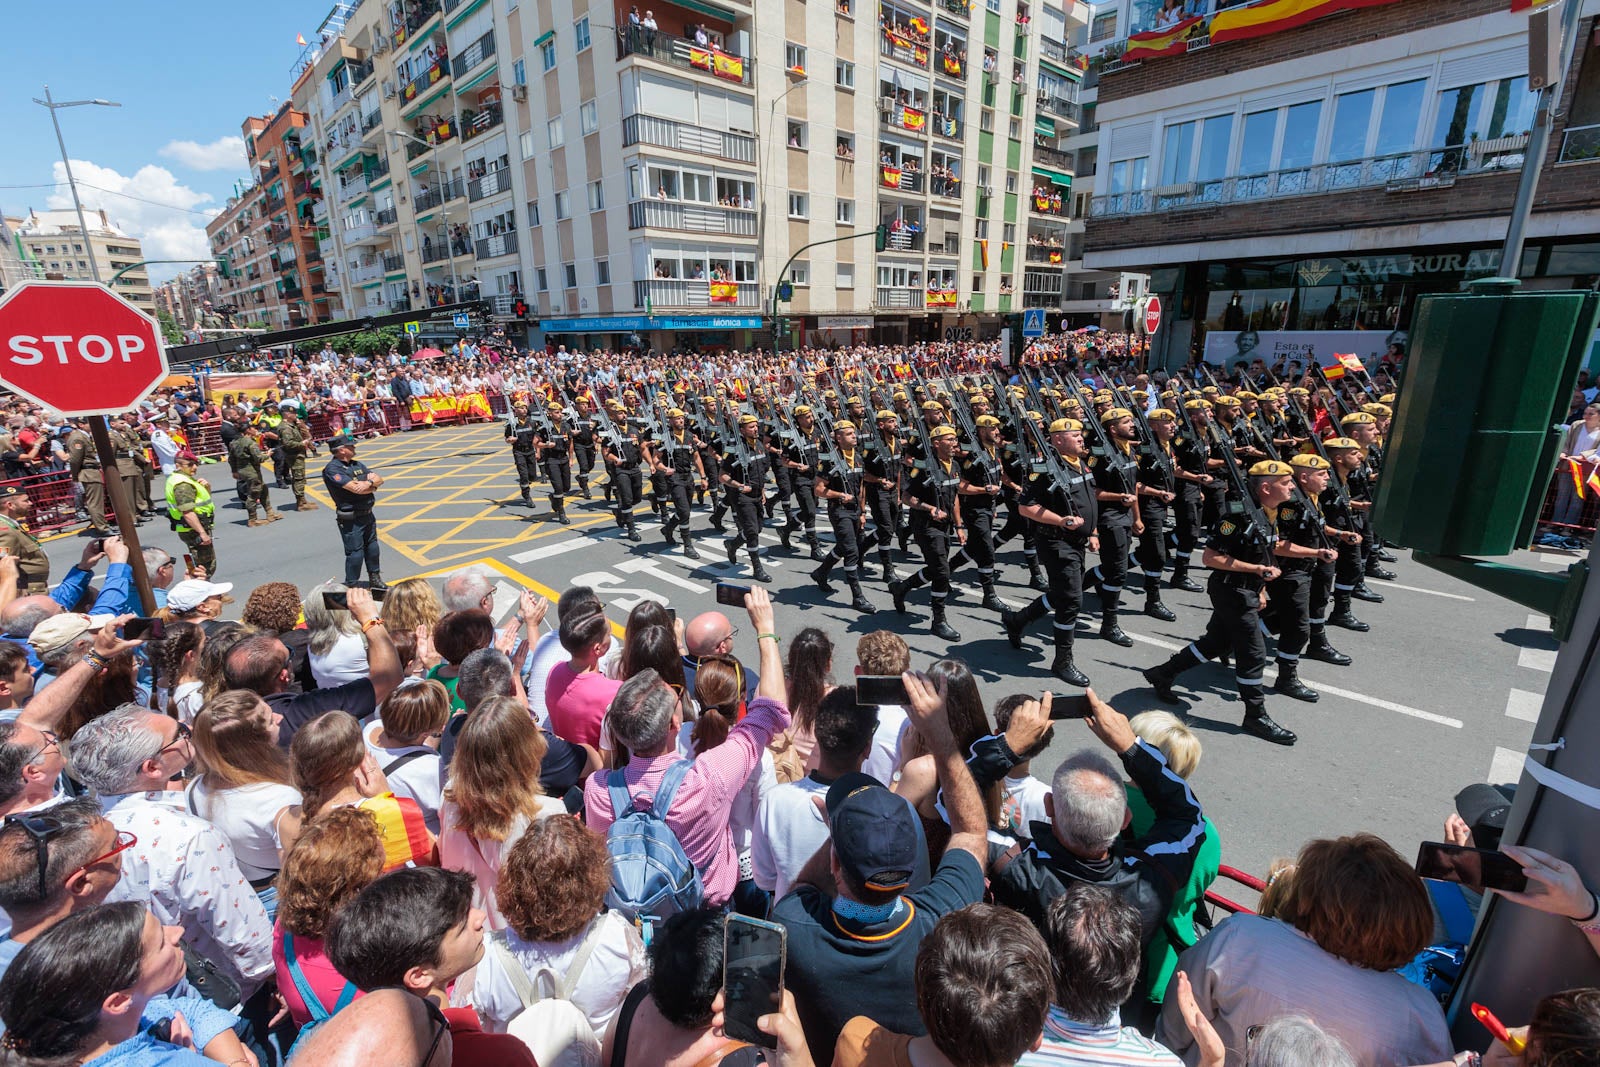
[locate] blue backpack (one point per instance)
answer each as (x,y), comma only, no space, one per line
(1437,967)
(319,1014)
(651,876)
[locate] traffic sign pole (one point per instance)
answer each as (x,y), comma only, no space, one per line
(122,508)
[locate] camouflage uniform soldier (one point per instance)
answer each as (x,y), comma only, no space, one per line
(190,508)
(245,457)
(294,437)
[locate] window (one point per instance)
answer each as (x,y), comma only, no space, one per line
(597,196)
(844,74)
(983,175)
(544,281)
(986,121)
(1300,135)
(800,272)
(580,34)
(554,132)
(525,144)
(1216,136)
(589,116)
(547,55)
(1008,233)
(980,229)
(533,212)
(993,5)
(1397,122)
(602,272)
(1177,149)
(794,57)
(1014,129)
(1352,117)
(799,206)
(570,272)
(845,212)
(1011,181)
(519,72)
(845,276)
(1486,110)
(1255,143)
(798,135)
(562,208)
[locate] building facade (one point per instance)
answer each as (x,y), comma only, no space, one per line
(191,294)
(58,245)
(1302,187)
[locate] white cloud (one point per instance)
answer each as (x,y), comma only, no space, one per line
(225,153)
(163,217)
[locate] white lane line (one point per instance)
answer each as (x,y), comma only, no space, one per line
(1538,623)
(1537,659)
(1505,768)
(1419,589)
(1348,694)
(1521,704)
(571,544)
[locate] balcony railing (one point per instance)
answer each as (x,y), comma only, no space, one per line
(340,99)
(431,137)
(1044,254)
(681,52)
(359,72)
(1059,106)
(669,133)
(369,271)
(901,297)
(351,187)
(491,183)
(377,168)
(1054,157)
(1042,282)
(416,15)
(943,186)
(958,8)
(903,116)
(905,47)
(1436,168)
(905,240)
(1580,144)
(695,293)
(501,244)
(1064,54)
(419,85)
(473,54)
(481,122)
(385,217)
(393,262)
(954,129)
(371,121)
(693,218)
(1050,201)
(898,178)
(361,232)
(438,194)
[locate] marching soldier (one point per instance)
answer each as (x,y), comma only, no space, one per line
(935,506)
(710,445)
(1362,427)
(520,435)
(880,470)
(555,456)
(583,446)
(1195,463)
(1301,551)
(743,474)
(245,459)
(983,479)
(800,457)
(191,511)
(1065,513)
(1311,473)
(1242,557)
(1116,478)
(294,439)
(84,463)
(33,566)
(1158,489)
(623,454)
(839,483)
(1345,455)
(678,463)
(354,490)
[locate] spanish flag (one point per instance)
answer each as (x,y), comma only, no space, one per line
(983,250)
(1527,5)
(891,177)
(1349,360)
(1172,41)
(1333,372)
(1594,480)
(724,292)
(912,119)
(1259,20)
(1576,469)
(920,25)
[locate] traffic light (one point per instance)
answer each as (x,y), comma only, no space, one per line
(882,239)
(519,308)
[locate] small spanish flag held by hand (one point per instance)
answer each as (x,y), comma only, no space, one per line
(1349,360)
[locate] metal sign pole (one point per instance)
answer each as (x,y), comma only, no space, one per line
(122,507)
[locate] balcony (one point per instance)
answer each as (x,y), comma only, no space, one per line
(682,137)
(475,125)
(418,87)
(1066,55)
(1051,201)
(1059,106)
(368,271)
(1042,282)
(362,233)
(681,52)
(941,185)
(432,136)
(490,184)
(385,217)
(954,129)
(359,72)
(1052,254)
(1054,158)
(961,9)
(442,193)
(375,304)
(692,218)
(434,251)
(417,15)
(269,173)
(372,120)
(1435,168)
(501,244)
(340,99)
(291,292)
(1580,144)
(903,116)
(393,262)
(378,168)
(275,204)
(901,297)
(477,52)
(351,187)
(910,238)
(900,179)
(694,293)
(904,45)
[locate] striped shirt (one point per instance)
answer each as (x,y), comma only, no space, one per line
(1109,1044)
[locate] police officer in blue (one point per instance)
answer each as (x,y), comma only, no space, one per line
(354,489)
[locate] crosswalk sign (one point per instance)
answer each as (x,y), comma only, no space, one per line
(413,328)
(1033,322)
(462,320)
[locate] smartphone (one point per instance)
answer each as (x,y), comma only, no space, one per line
(188,562)
(1476,868)
(753,957)
(336,601)
(672,615)
(98,544)
(731,595)
(1075,706)
(881,690)
(144,629)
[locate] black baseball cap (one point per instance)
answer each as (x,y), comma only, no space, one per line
(10,491)
(874,832)
(1484,809)
(344,440)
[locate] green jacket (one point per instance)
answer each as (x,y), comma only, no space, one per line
(1161,957)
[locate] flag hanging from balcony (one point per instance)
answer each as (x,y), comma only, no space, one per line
(912,119)
(730,67)
(1055,255)
(952,65)
(983,251)
(1171,41)
(942,298)
(919,25)
(700,57)
(891,177)
(1258,20)
(724,292)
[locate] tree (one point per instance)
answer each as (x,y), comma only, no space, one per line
(170,333)
(370,343)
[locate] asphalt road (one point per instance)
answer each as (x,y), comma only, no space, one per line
(1443,691)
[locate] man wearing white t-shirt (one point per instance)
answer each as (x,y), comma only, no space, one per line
(884,653)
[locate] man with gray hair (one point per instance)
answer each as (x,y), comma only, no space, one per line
(469,589)
(53,866)
(1088,811)
(180,867)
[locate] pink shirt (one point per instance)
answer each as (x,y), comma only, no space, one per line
(577,703)
(326,982)
(703,804)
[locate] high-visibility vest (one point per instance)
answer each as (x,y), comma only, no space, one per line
(202,497)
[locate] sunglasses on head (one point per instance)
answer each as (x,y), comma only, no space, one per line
(43,827)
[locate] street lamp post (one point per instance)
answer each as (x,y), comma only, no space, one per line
(51,104)
(444,214)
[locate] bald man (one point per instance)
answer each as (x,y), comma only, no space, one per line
(708,635)
(385,1026)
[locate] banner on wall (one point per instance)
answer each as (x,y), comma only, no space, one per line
(724,292)
(1227,349)
(1171,41)
(254,385)
(1274,16)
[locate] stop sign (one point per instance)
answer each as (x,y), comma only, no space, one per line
(78,348)
(1152,315)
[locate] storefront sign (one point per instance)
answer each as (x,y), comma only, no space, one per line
(844,322)
(1399,267)
(705,322)
(623,324)
(1228,348)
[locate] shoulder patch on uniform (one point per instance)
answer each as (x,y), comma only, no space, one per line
(1286,512)
(1227,527)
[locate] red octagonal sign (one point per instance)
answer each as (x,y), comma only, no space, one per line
(78,348)
(1152,315)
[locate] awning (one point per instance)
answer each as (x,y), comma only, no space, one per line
(1044,127)
(547,36)
(1060,68)
(705,8)
(1056,176)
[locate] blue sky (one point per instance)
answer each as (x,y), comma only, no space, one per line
(186,74)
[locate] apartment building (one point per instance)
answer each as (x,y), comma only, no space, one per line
(17,263)
(61,249)
(1294,187)
(186,296)
(658,181)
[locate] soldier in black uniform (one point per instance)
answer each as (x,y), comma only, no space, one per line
(929,494)
(711,445)
(1231,420)
(800,458)
(1346,455)
(1158,489)
(1195,463)
(677,461)
(623,453)
(880,469)
(520,434)
(555,456)
(353,489)
(1242,556)
(1311,474)
(1303,549)
(1116,479)
(743,473)
(840,484)
(776,437)
(1362,427)
(982,484)
(1064,513)
(583,443)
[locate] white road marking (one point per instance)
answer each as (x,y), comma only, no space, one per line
(571,544)
(1537,659)
(1506,767)
(1419,589)
(655,570)
(1538,623)
(506,596)
(1521,704)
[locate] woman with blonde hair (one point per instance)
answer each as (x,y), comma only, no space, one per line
(409,604)
(404,739)
(338,651)
(244,788)
(492,795)
(333,769)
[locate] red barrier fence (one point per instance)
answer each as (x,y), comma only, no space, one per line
(53,500)
(1568,509)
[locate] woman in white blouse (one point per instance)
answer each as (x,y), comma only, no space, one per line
(338,652)
(180,670)
(244,787)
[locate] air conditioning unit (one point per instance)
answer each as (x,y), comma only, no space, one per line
(380,43)
(519,92)
(388,90)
